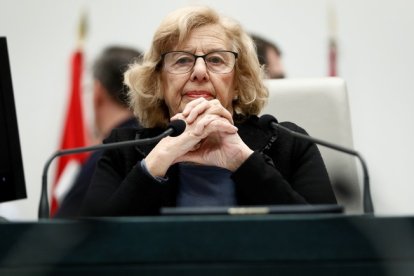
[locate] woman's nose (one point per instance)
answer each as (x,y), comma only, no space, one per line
(200,70)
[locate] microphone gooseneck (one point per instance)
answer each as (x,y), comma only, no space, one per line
(268,121)
(175,128)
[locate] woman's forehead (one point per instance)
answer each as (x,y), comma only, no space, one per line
(209,37)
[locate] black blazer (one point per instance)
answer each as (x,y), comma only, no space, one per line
(282,170)
(72,203)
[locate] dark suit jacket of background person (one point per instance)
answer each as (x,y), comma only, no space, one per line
(282,170)
(71,205)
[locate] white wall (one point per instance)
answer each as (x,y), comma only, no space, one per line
(376,58)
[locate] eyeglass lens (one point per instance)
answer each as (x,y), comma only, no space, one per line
(183,62)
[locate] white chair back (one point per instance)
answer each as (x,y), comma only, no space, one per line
(320,106)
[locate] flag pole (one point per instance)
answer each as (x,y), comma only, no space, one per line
(332,41)
(74,131)
(82,29)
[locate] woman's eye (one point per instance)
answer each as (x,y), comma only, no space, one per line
(184,60)
(215,60)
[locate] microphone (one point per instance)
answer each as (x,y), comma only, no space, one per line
(175,128)
(268,121)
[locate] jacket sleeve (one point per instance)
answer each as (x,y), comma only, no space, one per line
(291,172)
(121,187)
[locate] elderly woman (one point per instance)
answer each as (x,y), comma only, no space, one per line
(202,68)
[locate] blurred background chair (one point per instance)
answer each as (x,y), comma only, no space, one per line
(320,106)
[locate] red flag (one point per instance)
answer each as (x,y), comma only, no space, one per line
(73,134)
(332,58)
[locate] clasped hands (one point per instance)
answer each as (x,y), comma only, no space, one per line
(210,138)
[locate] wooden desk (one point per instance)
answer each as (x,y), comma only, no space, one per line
(210,245)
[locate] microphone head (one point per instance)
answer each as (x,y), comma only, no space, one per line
(178,127)
(266,120)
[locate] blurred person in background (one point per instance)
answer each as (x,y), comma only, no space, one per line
(270,56)
(111,110)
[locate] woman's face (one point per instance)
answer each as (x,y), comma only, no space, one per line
(179,89)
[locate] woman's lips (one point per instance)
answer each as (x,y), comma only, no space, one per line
(199,94)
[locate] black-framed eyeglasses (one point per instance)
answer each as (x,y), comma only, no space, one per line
(180,62)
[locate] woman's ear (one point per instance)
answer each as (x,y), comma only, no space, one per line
(236,95)
(99,93)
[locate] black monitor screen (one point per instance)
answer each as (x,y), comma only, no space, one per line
(12,184)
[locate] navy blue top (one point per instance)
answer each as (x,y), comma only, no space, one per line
(205,186)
